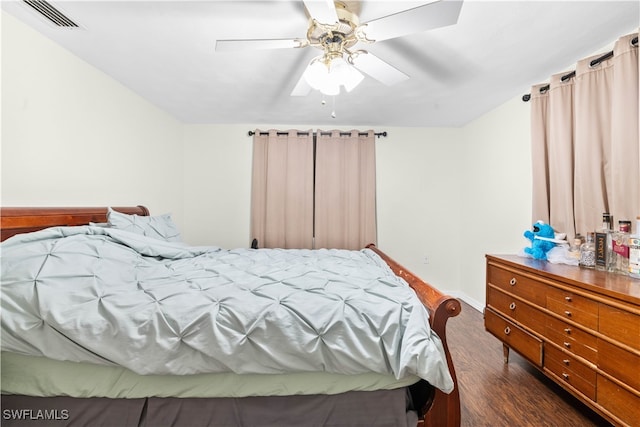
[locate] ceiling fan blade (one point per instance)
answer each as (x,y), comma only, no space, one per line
(323,11)
(258,44)
(419,19)
(378,69)
(302,88)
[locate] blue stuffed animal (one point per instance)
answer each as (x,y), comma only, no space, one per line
(542,240)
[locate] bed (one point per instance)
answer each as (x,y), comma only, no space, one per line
(63,380)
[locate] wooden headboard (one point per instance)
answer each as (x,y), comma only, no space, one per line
(15,220)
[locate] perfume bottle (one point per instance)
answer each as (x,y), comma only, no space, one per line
(588,252)
(620,245)
(574,249)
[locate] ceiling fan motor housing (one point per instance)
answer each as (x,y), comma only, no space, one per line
(335,37)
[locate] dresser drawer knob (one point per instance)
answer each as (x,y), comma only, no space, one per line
(567,299)
(513,281)
(507,330)
(512,306)
(568,313)
(565,376)
(567,330)
(566,362)
(567,344)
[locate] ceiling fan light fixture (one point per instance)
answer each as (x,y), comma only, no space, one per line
(330,89)
(317,73)
(327,75)
(345,74)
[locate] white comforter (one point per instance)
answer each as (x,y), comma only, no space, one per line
(106,296)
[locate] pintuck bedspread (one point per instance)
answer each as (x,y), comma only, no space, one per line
(108,296)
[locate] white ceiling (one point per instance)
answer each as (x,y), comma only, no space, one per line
(164,51)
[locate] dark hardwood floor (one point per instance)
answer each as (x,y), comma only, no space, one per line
(515,394)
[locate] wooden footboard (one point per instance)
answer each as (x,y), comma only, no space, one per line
(441,409)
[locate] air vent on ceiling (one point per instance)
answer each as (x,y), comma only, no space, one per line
(47,10)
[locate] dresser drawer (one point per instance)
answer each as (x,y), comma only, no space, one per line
(573,307)
(620,325)
(619,401)
(619,363)
(570,371)
(572,339)
(513,336)
(513,308)
(517,284)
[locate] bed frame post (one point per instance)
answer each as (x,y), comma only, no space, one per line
(443,410)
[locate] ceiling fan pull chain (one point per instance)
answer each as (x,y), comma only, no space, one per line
(333,112)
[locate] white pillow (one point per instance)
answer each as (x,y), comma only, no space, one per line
(159,227)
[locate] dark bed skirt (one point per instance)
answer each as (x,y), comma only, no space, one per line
(357,408)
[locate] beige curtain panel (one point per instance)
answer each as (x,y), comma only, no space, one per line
(282,189)
(585,143)
(345,190)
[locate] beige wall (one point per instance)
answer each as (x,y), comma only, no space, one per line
(495,201)
(217,185)
(74,136)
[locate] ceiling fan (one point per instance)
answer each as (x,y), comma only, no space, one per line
(335,29)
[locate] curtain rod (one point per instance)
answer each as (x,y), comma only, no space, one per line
(527,97)
(378,134)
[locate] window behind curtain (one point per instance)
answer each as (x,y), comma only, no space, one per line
(313,191)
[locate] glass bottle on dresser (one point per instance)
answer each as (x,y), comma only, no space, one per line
(620,245)
(574,249)
(588,252)
(634,252)
(603,244)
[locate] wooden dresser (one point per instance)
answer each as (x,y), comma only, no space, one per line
(580,327)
